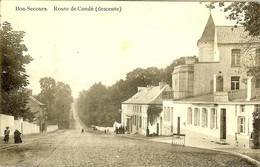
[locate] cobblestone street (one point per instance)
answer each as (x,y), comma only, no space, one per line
(72,148)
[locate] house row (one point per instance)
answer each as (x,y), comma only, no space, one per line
(211,96)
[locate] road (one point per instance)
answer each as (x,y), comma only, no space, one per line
(73,148)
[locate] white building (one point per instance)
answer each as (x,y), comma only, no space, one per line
(210,98)
(134,110)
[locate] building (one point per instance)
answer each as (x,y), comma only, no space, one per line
(40,114)
(214,97)
(134,110)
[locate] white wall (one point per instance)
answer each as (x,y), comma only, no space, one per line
(23,126)
(232,114)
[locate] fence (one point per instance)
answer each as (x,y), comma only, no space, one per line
(23,126)
(178,139)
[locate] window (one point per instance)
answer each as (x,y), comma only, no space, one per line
(204,113)
(257,83)
(242,108)
(212,118)
(235,83)
(235,57)
(196,117)
(140,122)
(257,57)
(241,124)
(189,116)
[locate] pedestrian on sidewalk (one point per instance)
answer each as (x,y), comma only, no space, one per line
(17,137)
(6,133)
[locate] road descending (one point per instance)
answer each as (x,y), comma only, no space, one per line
(73,148)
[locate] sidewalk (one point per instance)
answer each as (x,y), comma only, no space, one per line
(252,155)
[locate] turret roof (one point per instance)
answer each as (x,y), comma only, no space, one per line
(209,31)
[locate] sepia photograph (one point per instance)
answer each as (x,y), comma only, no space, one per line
(129,83)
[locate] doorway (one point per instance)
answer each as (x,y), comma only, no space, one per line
(223,124)
(179,125)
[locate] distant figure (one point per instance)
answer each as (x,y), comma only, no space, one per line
(17,137)
(105,131)
(116,130)
(6,133)
(82,131)
(147,131)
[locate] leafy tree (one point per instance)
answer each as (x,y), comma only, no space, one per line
(14,79)
(62,105)
(244,13)
(256,127)
(47,94)
(100,104)
(153,112)
(58,100)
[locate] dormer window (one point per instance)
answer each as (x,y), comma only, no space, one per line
(235,57)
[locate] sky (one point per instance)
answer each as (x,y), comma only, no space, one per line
(81,48)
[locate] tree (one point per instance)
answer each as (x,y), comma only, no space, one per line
(244,13)
(58,100)
(46,96)
(14,79)
(62,105)
(153,112)
(256,129)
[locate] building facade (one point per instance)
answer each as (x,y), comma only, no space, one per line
(214,97)
(40,114)
(134,110)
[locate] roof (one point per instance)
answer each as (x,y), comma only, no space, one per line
(148,95)
(209,31)
(36,101)
(225,34)
(229,34)
(209,99)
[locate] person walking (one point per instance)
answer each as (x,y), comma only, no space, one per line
(17,137)
(6,133)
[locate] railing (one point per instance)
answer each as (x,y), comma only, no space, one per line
(178,139)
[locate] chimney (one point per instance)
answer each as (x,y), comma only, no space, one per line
(250,88)
(140,88)
(162,84)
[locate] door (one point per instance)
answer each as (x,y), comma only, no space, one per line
(171,119)
(128,124)
(179,125)
(161,125)
(223,124)
(157,129)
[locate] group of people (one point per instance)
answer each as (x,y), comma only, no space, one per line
(17,136)
(120,130)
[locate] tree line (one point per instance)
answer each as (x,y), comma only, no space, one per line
(14,81)
(99,105)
